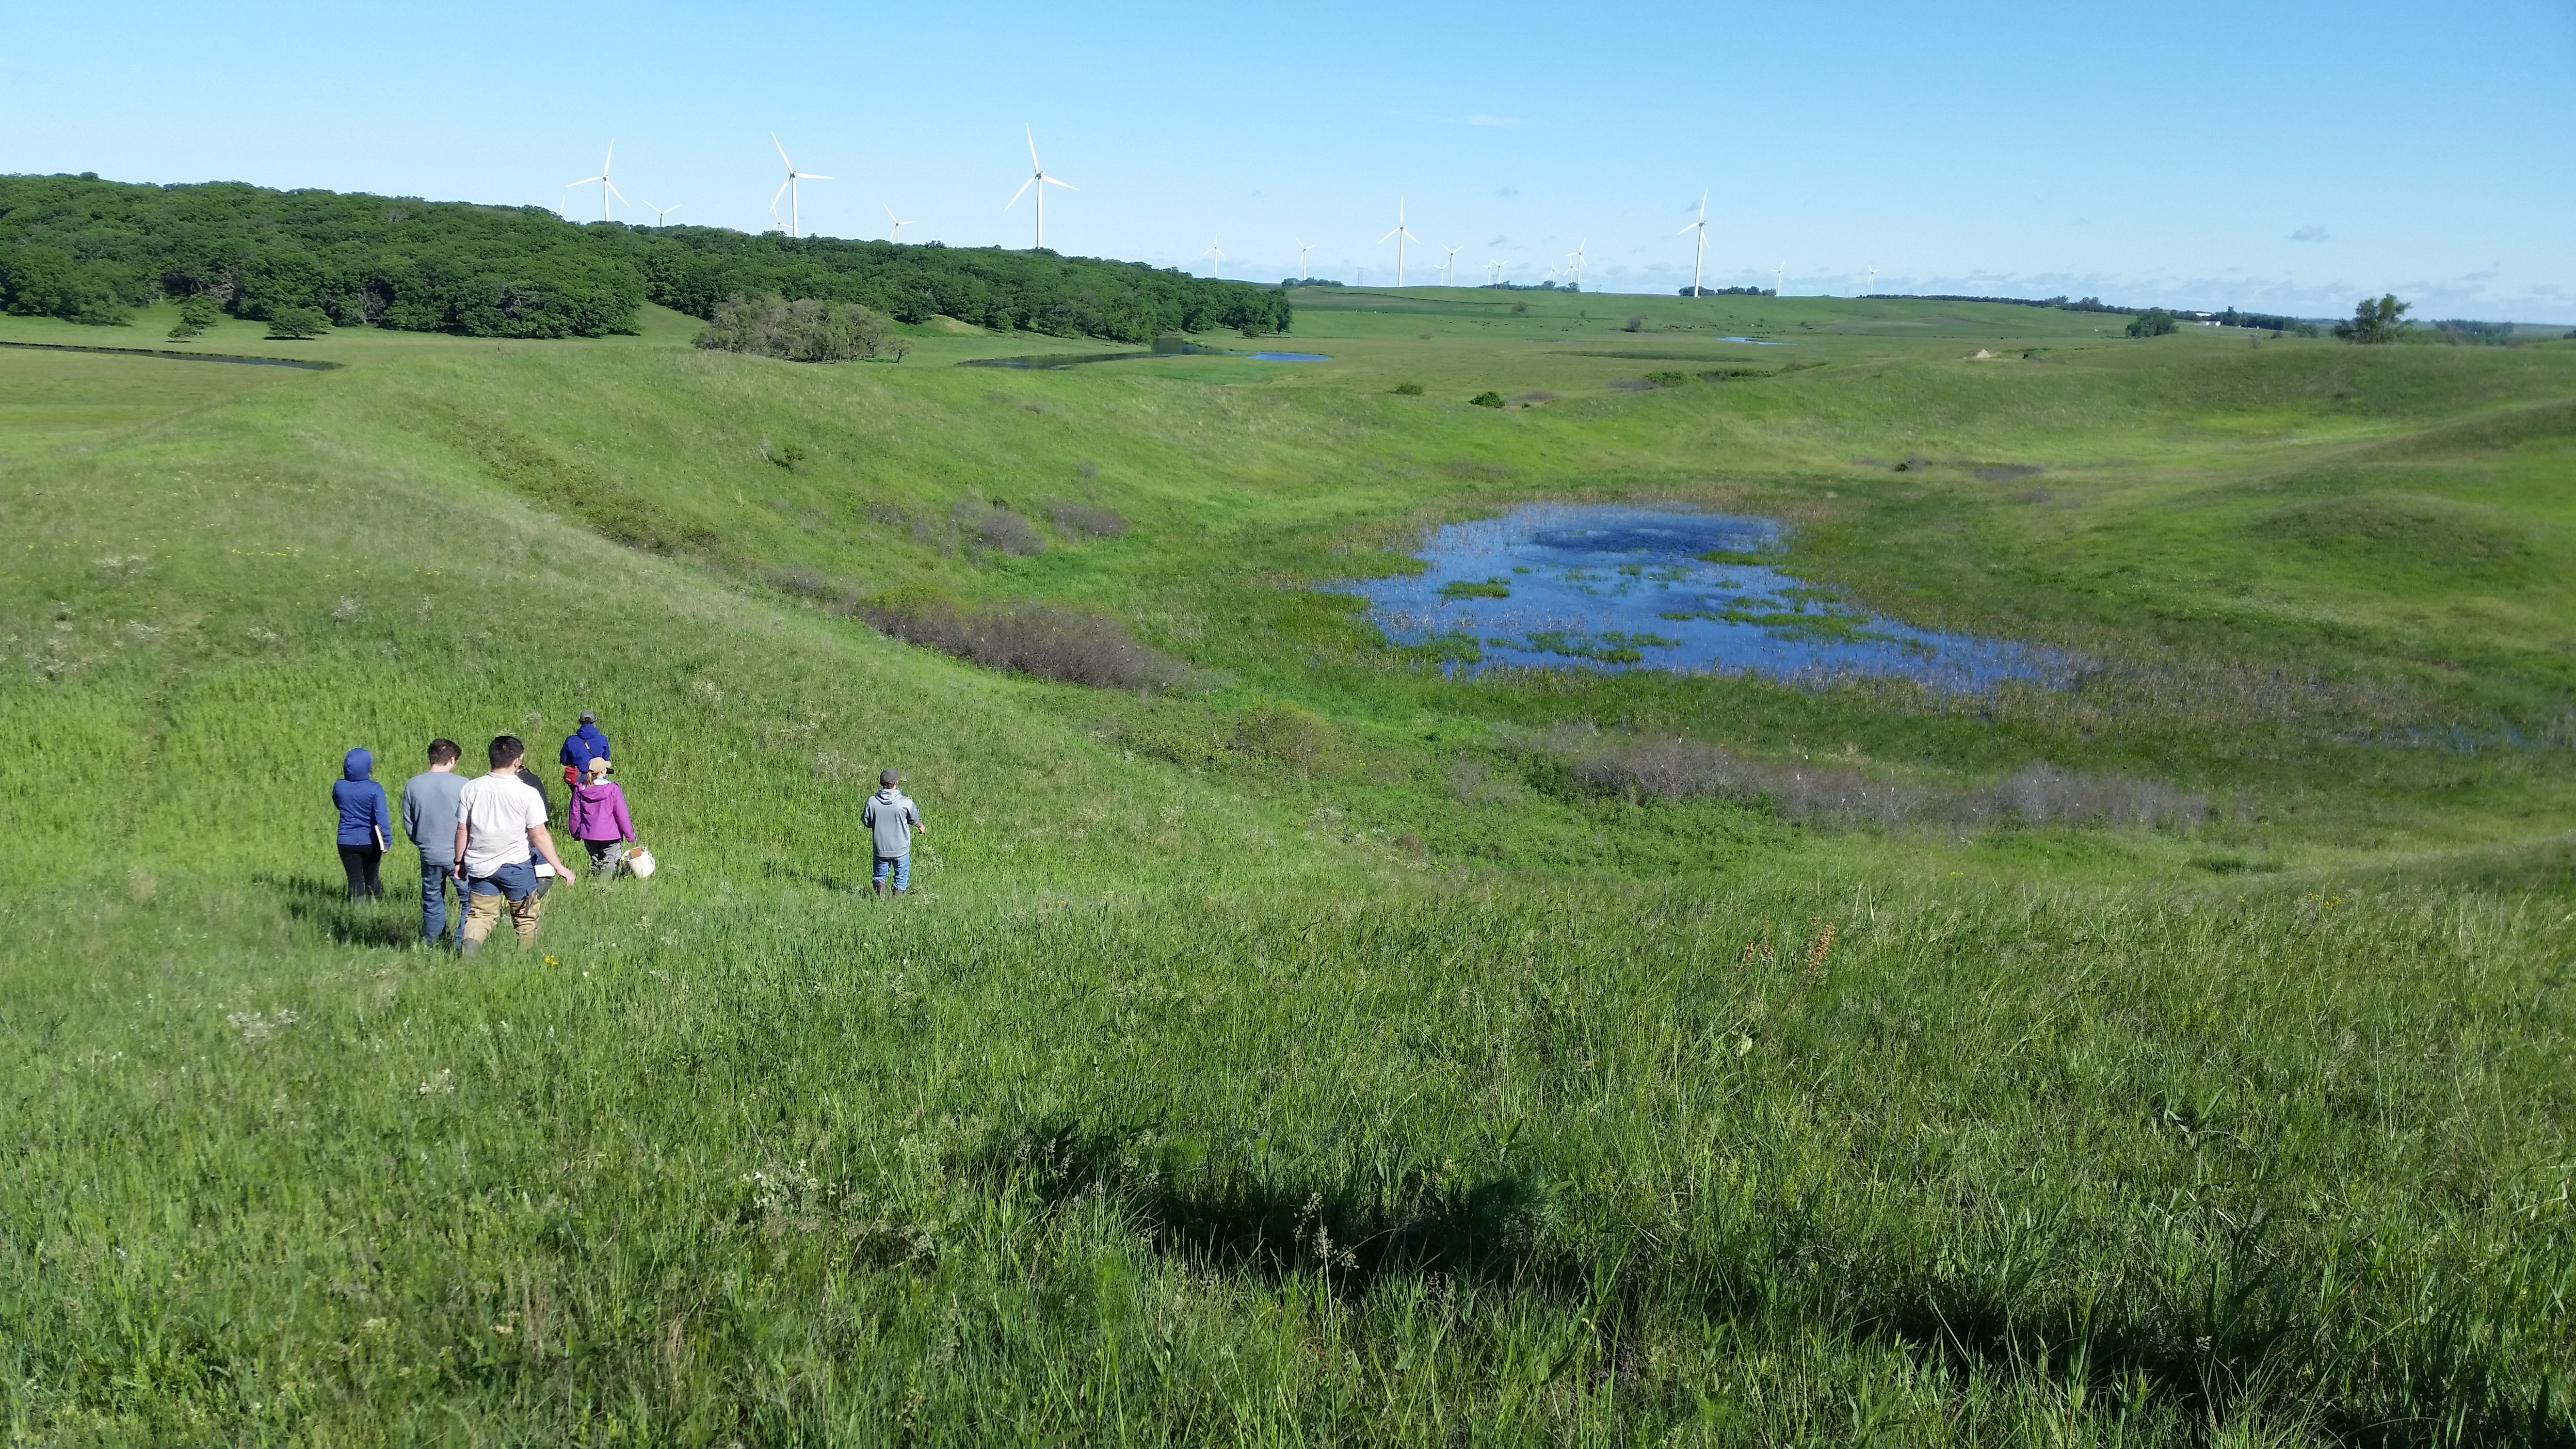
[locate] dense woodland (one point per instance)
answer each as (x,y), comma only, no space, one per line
(92,251)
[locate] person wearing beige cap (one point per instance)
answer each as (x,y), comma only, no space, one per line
(598,817)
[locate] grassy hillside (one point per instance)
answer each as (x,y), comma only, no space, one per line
(1304,1053)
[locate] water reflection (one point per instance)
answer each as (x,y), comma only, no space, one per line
(1604,586)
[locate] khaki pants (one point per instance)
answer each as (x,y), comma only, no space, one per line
(483,912)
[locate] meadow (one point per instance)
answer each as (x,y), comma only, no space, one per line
(1320,1049)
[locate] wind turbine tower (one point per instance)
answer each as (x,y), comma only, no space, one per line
(1039,179)
(1871,286)
(899,223)
(791,190)
(1401,237)
(1449,269)
(1577,254)
(661,214)
(607,188)
(1302,249)
(1216,257)
(1776,273)
(1701,255)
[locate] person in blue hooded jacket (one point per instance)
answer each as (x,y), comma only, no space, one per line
(365,817)
(580,748)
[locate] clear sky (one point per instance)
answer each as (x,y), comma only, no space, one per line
(2283,156)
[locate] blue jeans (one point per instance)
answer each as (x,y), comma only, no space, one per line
(516,882)
(434,883)
(899,866)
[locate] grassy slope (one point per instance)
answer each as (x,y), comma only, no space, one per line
(1049,1154)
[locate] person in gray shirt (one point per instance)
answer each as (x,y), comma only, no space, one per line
(429,818)
(893,820)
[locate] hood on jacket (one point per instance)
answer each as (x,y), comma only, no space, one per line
(359,764)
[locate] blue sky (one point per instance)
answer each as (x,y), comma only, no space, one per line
(2290,156)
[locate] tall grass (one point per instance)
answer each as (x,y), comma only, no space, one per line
(1791,1162)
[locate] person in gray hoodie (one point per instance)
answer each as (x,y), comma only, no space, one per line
(429,819)
(894,820)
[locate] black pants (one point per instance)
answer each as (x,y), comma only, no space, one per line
(360,861)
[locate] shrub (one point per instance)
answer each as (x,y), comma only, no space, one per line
(802,331)
(292,323)
(1668,379)
(1282,732)
(1085,522)
(789,456)
(1636,322)
(2153,322)
(1488,399)
(1033,639)
(999,528)
(197,312)
(1408,389)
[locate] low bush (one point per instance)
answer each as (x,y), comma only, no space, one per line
(1035,639)
(1284,733)
(998,528)
(295,323)
(1080,521)
(1668,379)
(1681,769)
(800,331)
(1407,389)
(1486,399)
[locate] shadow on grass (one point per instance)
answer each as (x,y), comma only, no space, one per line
(2237,1329)
(325,904)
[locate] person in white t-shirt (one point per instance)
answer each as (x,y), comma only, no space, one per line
(500,824)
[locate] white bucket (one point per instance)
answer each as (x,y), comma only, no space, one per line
(636,861)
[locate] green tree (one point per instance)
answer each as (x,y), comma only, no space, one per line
(297,322)
(2153,322)
(197,312)
(2374,322)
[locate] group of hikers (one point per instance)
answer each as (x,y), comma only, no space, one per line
(489,840)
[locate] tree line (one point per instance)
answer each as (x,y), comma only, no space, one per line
(92,251)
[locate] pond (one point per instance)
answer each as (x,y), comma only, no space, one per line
(1606,586)
(1292,357)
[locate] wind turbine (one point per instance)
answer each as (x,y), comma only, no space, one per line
(1401,237)
(1776,273)
(899,223)
(1039,179)
(1577,254)
(789,189)
(607,188)
(1872,284)
(1302,249)
(1216,257)
(1449,269)
(1700,226)
(660,213)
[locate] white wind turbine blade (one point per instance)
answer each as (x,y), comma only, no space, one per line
(811,176)
(1031,133)
(585,181)
(1381,241)
(1016,195)
(1052,181)
(782,151)
(773,196)
(613,191)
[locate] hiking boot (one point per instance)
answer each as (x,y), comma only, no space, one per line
(468,946)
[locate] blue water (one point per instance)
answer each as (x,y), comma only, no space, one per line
(1595,586)
(1291,357)
(1758,342)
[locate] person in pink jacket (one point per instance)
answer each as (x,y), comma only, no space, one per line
(598,816)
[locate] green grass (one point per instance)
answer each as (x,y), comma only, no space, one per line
(1304,1055)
